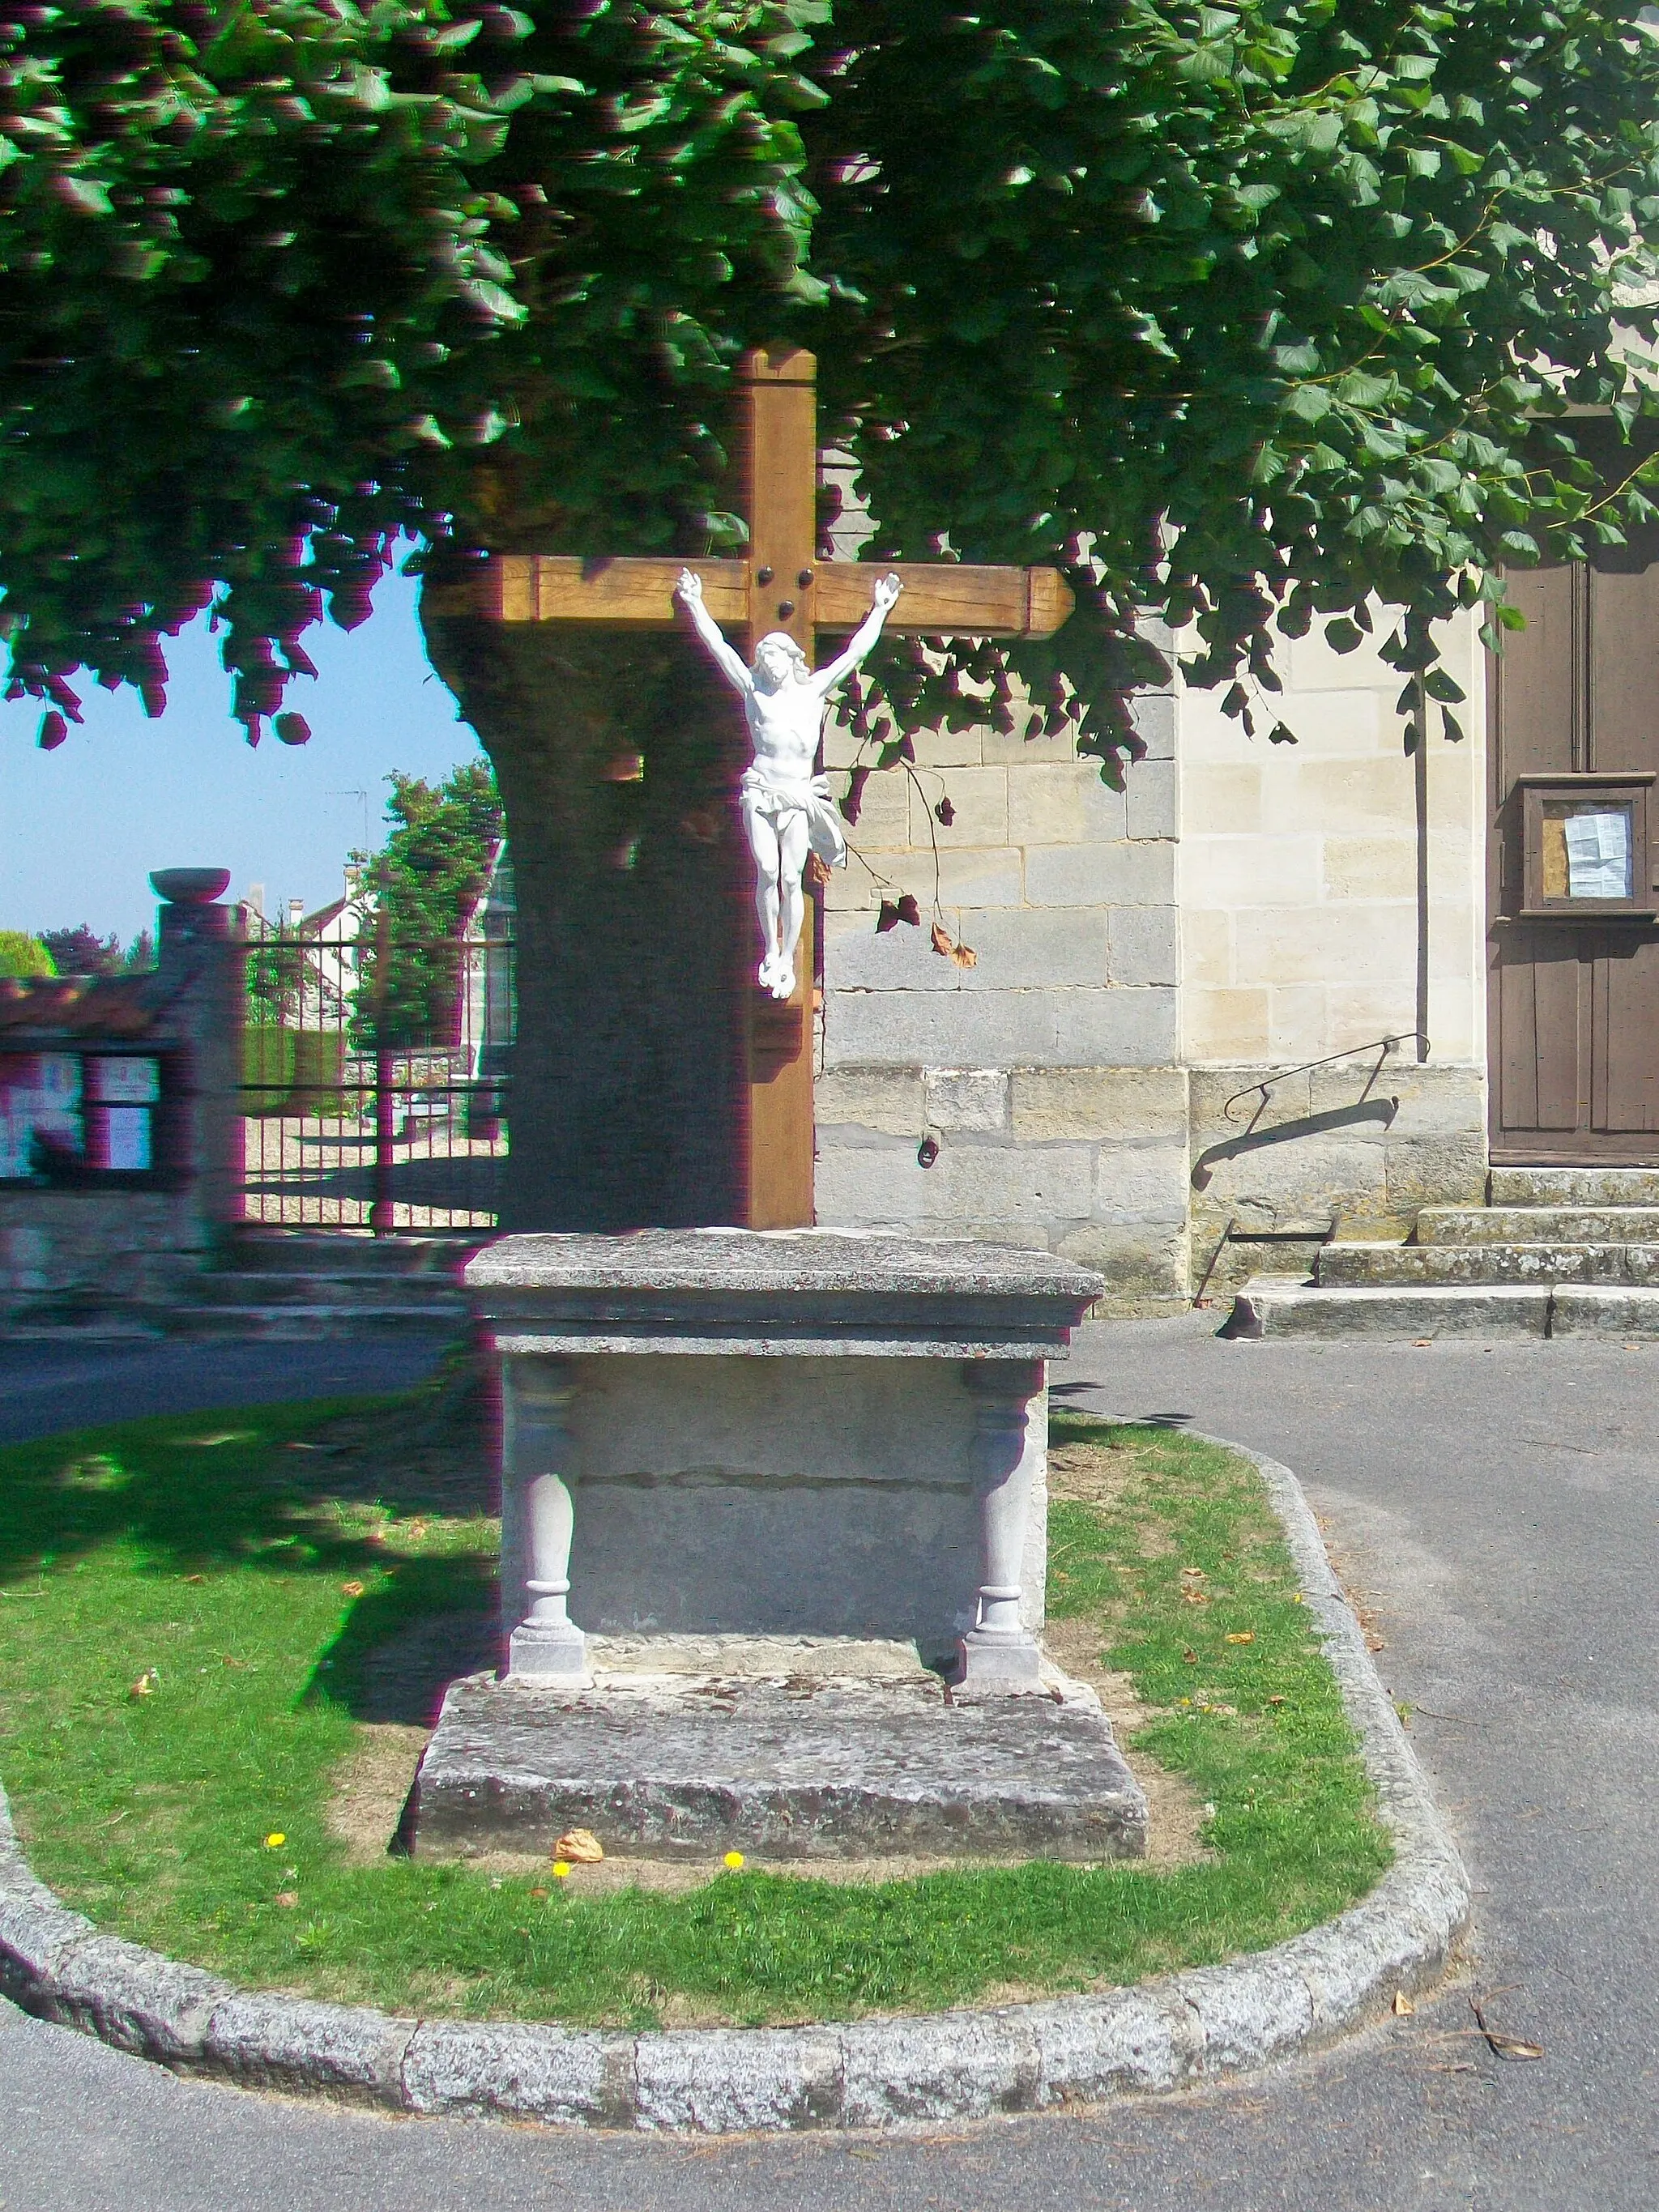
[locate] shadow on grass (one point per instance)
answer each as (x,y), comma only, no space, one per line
(195,1498)
(1071,1392)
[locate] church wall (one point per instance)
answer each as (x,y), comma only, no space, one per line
(1043,1086)
(1239,909)
(1298,893)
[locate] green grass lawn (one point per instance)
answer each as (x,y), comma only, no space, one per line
(232,1564)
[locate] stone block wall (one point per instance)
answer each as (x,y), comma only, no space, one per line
(72,1256)
(1298,872)
(94,1251)
(1353,1150)
(1238,910)
(1035,1098)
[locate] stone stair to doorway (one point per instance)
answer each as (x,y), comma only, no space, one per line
(1554,1252)
(288,1282)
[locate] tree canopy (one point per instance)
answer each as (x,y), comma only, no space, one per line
(23,955)
(1236,311)
(426,880)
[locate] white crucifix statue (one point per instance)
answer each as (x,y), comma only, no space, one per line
(775,595)
(787,806)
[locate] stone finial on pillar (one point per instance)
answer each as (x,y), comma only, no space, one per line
(537,1521)
(1000,1652)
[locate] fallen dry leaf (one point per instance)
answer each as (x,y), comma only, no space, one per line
(286,1897)
(580,1845)
(1375,1643)
(352,1589)
(1402,2004)
(1191,1657)
(146,1684)
(1242,1636)
(1502,2045)
(1195,1596)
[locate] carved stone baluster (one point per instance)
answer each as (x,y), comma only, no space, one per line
(999,1652)
(537,1520)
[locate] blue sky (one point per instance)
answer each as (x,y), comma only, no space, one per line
(82,828)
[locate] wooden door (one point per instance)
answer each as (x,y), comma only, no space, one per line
(1572,1005)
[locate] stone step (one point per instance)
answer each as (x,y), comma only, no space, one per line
(1574,1187)
(1339,1265)
(285,1323)
(1279,1306)
(1604,1310)
(1538,1225)
(346,1252)
(435,1292)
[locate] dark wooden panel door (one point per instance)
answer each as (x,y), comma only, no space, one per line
(1572,1008)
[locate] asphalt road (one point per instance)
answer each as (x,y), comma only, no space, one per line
(1494,1507)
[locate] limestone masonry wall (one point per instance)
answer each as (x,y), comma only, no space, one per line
(1046,1075)
(1239,909)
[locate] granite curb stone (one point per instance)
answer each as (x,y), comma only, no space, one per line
(966,2065)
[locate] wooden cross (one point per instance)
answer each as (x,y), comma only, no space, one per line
(779,583)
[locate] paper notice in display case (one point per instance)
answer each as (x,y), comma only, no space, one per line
(126,1139)
(121,1091)
(1598,855)
(133,1079)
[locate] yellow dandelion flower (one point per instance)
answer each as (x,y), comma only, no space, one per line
(274,1840)
(561,1870)
(734,1860)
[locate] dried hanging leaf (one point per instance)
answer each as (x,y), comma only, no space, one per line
(887,919)
(946,812)
(965,956)
(855,800)
(942,942)
(908,911)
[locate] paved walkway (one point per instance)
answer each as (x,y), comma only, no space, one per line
(1495,1508)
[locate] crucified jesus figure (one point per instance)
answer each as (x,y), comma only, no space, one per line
(786,808)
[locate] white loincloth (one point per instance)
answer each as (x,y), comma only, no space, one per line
(826,833)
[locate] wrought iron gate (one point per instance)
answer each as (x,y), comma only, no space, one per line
(375,1077)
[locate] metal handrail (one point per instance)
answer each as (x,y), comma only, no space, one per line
(1380,1046)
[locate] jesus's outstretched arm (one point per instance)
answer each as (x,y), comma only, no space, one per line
(688,591)
(833,672)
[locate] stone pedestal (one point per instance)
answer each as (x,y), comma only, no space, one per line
(742,1470)
(788,1432)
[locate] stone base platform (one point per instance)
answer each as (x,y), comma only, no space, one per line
(785,1749)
